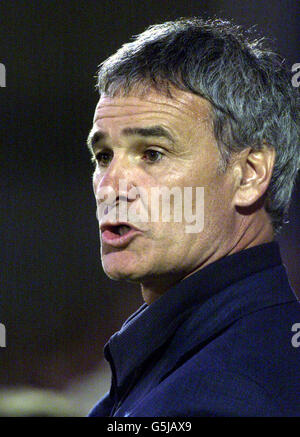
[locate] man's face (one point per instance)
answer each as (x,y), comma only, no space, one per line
(158,141)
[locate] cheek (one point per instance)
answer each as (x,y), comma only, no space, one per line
(168,235)
(96,180)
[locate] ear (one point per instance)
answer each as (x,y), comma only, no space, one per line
(253,171)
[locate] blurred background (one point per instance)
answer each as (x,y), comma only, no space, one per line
(58,307)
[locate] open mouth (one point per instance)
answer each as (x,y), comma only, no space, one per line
(119,234)
(118,229)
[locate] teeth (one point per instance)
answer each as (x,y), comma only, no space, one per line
(123,229)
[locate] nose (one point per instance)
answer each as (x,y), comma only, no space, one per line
(113,183)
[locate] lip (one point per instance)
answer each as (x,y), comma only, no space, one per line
(114,240)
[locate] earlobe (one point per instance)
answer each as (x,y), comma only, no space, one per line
(255,170)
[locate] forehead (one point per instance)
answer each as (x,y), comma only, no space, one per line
(178,111)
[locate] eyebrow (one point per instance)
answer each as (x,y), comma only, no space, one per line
(94,138)
(151,131)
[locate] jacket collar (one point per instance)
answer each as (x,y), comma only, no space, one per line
(208,290)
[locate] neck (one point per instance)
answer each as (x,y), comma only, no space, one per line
(249,231)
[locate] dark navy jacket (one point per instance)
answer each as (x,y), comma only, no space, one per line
(219,343)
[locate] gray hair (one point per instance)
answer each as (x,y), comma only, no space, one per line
(249,88)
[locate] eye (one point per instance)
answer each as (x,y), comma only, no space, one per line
(103,158)
(152,155)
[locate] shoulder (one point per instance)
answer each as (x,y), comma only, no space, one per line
(250,369)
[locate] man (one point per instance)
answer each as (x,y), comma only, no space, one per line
(195,104)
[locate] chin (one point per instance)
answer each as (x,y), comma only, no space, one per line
(118,267)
